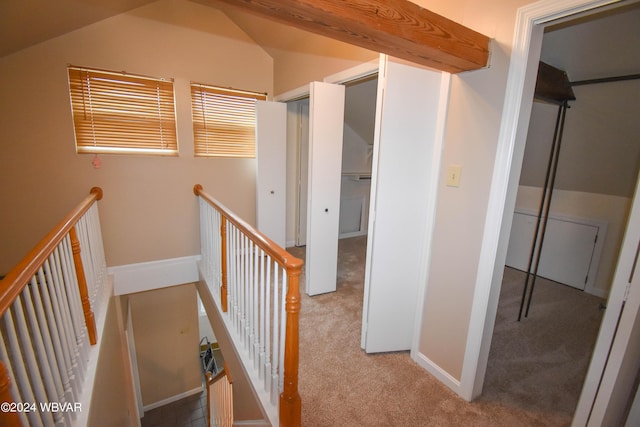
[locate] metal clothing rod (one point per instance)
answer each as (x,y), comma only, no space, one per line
(605,80)
(540,211)
(563,109)
(543,211)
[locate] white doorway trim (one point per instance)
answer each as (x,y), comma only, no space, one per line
(355,73)
(523,65)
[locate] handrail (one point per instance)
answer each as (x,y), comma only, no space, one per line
(40,302)
(15,281)
(283,257)
(290,402)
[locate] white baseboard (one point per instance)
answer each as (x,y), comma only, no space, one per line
(172,399)
(437,372)
(146,276)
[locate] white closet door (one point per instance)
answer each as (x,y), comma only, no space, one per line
(406,148)
(326,123)
(302,118)
(615,361)
(271,153)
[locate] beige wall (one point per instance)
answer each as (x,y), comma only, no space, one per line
(165,328)
(599,152)
(110,404)
(325,57)
(473,124)
(149,210)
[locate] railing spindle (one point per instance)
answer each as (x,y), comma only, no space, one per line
(52,342)
(46,360)
(223,263)
(275,364)
(267,349)
(263,315)
(77,331)
(27,392)
(89,319)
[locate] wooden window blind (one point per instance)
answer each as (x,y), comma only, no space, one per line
(223,121)
(122,113)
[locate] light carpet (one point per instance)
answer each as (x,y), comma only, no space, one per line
(535,372)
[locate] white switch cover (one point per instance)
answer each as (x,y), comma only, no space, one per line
(453,175)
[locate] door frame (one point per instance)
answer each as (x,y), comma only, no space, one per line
(527,43)
(351,74)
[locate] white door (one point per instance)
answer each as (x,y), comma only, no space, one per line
(271,146)
(614,364)
(406,148)
(302,119)
(326,121)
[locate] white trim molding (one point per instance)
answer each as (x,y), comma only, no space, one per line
(435,370)
(521,79)
(145,276)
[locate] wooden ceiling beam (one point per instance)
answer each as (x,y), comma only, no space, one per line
(398,28)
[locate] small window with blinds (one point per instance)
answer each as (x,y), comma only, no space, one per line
(223,121)
(118,113)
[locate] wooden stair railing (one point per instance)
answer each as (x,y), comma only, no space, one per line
(219,398)
(233,260)
(46,317)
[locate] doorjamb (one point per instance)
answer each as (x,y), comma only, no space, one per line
(301,92)
(525,55)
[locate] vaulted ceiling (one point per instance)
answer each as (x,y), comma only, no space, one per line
(602,48)
(599,45)
(397,27)
(24,23)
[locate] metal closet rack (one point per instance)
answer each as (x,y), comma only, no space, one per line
(552,86)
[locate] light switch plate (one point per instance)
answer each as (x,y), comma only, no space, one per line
(453,175)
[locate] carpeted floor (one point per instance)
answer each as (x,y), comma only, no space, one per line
(535,373)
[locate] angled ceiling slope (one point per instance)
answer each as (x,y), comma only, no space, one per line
(25,23)
(396,27)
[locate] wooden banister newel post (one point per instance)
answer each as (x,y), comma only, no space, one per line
(223,255)
(7,418)
(290,403)
(82,286)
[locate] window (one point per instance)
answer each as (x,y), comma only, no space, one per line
(122,113)
(223,121)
